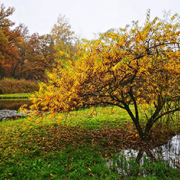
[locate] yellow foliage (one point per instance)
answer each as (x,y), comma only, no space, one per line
(135,66)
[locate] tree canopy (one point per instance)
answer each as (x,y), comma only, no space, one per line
(64,39)
(130,66)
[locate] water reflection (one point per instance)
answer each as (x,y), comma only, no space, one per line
(13,104)
(168,153)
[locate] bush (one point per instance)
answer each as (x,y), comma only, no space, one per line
(11,86)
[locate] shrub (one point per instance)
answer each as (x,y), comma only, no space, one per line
(11,86)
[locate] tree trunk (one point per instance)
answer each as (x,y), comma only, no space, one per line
(148,126)
(136,123)
(140,131)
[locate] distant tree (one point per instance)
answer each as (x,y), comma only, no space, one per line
(29,57)
(4,16)
(16,39)
(47,48)
(35,63)
(11,42)
(136,66)
(4,42)
(64,39)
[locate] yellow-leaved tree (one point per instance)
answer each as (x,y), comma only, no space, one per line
(131,66)
(64,39)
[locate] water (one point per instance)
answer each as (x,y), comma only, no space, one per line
(13,104)
(168,153)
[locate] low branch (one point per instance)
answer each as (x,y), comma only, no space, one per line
(168,112)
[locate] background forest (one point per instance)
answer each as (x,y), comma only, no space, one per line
(24,56)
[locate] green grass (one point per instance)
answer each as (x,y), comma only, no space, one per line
(14,99)
(72,145)
(69,163)
(16,95)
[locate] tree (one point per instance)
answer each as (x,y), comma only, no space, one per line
(4,42)
(15,58)
(4,14)
(35,63)
(11,43)
(124,68)
(23,56)
(46,43)
(64,39)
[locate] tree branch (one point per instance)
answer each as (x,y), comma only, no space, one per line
(168,112)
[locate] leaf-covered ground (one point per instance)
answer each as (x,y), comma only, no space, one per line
(29,143)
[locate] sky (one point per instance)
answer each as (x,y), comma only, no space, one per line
(86,17)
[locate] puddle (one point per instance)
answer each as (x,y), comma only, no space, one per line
(168,153)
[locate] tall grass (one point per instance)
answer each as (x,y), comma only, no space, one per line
(11,86)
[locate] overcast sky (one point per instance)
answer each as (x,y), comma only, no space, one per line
(86,16)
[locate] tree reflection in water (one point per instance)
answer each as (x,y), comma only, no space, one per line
(125,161)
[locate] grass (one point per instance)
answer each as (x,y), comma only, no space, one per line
(17,95)
(69,163)
(14,99)
(75,145)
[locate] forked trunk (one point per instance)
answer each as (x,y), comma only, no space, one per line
(148,126)
(140,131)
(136,123)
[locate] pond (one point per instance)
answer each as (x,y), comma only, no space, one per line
(168,153)
(13,104)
